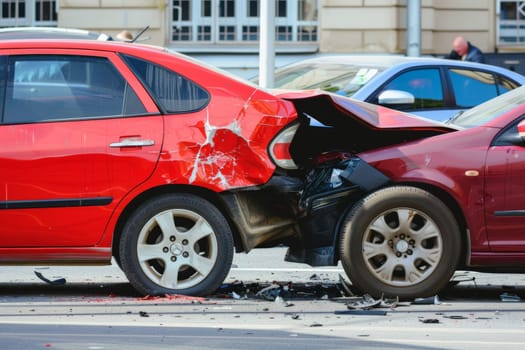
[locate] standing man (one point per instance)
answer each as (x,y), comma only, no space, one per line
(465,51)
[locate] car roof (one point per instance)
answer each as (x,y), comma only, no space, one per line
(74,43)
(19,33)
(140,49)
(389,60)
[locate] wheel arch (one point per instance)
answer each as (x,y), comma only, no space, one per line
(456,211)
(210,196)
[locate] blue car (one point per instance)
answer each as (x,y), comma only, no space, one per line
(434,88)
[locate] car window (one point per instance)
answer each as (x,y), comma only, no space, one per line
(172,92)
(424,84)
(57,87)
(472,87)
(490,109)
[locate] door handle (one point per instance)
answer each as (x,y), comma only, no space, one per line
(132,143)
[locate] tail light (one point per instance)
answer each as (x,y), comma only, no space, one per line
(280,148)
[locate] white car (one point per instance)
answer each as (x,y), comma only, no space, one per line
(434,88)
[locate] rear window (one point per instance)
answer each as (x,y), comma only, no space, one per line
(490,109)
(173,92)
(466,81)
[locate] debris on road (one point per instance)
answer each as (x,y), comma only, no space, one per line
(270,293)
(462,277)
(366,302)
(283,302)
(508,297)
(356,312)
(319,289)
(427,301)
(347,286)
(56,282)
(429,320)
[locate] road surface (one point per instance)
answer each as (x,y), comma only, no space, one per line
(97,309)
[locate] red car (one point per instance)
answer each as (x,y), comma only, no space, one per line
(133,152)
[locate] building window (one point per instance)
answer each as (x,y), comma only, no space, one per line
(212,23)
(511,22)
(204,33)
(226,8)
(226,33)
(250,33)
(13,9)
(21,13)
(45,11)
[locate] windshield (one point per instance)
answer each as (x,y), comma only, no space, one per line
(343,79)
(490,109)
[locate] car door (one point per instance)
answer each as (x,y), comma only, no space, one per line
(505,192)
(78,132)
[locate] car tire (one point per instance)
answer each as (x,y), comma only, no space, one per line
(176,244)
(400,241)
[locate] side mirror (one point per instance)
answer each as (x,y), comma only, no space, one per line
(396,97)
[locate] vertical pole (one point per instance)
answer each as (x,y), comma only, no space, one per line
(413,27)
(267,43)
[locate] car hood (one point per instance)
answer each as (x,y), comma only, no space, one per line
(338,122)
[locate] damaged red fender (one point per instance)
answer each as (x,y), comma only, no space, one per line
(224,147)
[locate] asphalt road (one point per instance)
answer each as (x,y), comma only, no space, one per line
(97,309)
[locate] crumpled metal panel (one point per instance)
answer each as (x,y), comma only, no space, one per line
(224,146)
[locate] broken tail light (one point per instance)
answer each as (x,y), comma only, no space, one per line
(280,148)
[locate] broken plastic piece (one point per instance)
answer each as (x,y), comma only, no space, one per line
(429,320)
(57,282)
(509,297)
(459,278)
(270,293)
(362,312)
(280,300)
(347,286)
(428,301)
(389,303)
(365,303)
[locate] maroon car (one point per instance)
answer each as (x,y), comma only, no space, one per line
(403,205)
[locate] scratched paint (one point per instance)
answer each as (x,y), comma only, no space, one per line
(222,150)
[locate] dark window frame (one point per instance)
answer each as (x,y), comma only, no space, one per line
(132,61)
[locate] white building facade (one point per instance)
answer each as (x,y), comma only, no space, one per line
(226,32)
